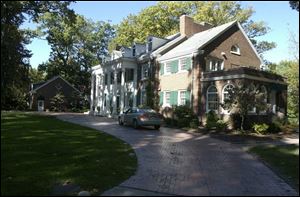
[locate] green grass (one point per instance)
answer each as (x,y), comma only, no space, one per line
(39,152)
(283,159)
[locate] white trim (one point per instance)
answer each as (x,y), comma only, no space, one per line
(224,111)
(238,52)
(207,110)
(210,60)
(238,76)
(176,58)
(165,68)
(179,98)
(165,99)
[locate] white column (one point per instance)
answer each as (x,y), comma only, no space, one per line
(122,96)
(114,90)
(134,86)
(92,93)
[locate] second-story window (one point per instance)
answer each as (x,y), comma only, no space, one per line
(145,71)
(112,78)
(129,74)
(183,64)
(215,64)
(105,79)
(119,77)
(168,68)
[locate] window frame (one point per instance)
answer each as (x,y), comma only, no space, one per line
(225,111)
(238,52)
(166,64)
(179,97)
(216,60)
(165,98)
(180,64)
(207,101)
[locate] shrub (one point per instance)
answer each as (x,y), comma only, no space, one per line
(211,119)
(274,128)
(221,125)
(194,123)
(260,128)
(185,116)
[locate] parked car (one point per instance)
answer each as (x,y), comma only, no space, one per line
(141,117)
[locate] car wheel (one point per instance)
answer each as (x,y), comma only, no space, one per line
(120,122)
(135,124)
(156,126)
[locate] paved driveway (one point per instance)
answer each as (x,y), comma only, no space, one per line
(172,162)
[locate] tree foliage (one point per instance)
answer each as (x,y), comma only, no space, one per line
(75,47)
(36,75)
(162,20)
(242,99)
(294,5)
(14,55)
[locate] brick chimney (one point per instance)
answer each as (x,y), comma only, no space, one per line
(188,27)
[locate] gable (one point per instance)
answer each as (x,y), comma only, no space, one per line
(222,44)
(56,84)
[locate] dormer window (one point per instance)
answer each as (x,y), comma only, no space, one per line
(235,50)
(150,44)
(133,50)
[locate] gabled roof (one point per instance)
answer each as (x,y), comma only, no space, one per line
(168,45)
(49,81)
(200,40)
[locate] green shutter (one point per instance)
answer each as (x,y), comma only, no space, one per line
(161,98)
(174,98)
(188,97)
(161,69)
(174,66)
(188,63)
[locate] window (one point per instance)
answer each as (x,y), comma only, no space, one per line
(235,49)
(143,97)
(212,99)
(150,44)
(112,78)
(129,75)
(167,98)
(225,94)
(145,71)
(265,93)
(183,64)
(119,77)
(215,65)
(168,67)
(133,50)
(252,88)
(105,79)
(104,100)
(182,98)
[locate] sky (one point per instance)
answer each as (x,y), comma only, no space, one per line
(278,15)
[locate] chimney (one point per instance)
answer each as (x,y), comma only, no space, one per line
(188,27)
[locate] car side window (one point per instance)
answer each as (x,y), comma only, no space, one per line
(128,111)
(134,111)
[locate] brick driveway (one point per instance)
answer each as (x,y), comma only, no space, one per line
(172,162)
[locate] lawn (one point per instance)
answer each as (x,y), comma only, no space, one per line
(284,160)
(41,155)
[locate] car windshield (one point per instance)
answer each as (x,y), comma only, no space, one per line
(147,110)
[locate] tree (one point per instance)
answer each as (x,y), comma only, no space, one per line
(162,20)
(14,55)
(36,75)
(58,102)
(294,5)
(75,47)
(242,99)
(290,70)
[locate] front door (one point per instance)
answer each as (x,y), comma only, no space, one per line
(40,105)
